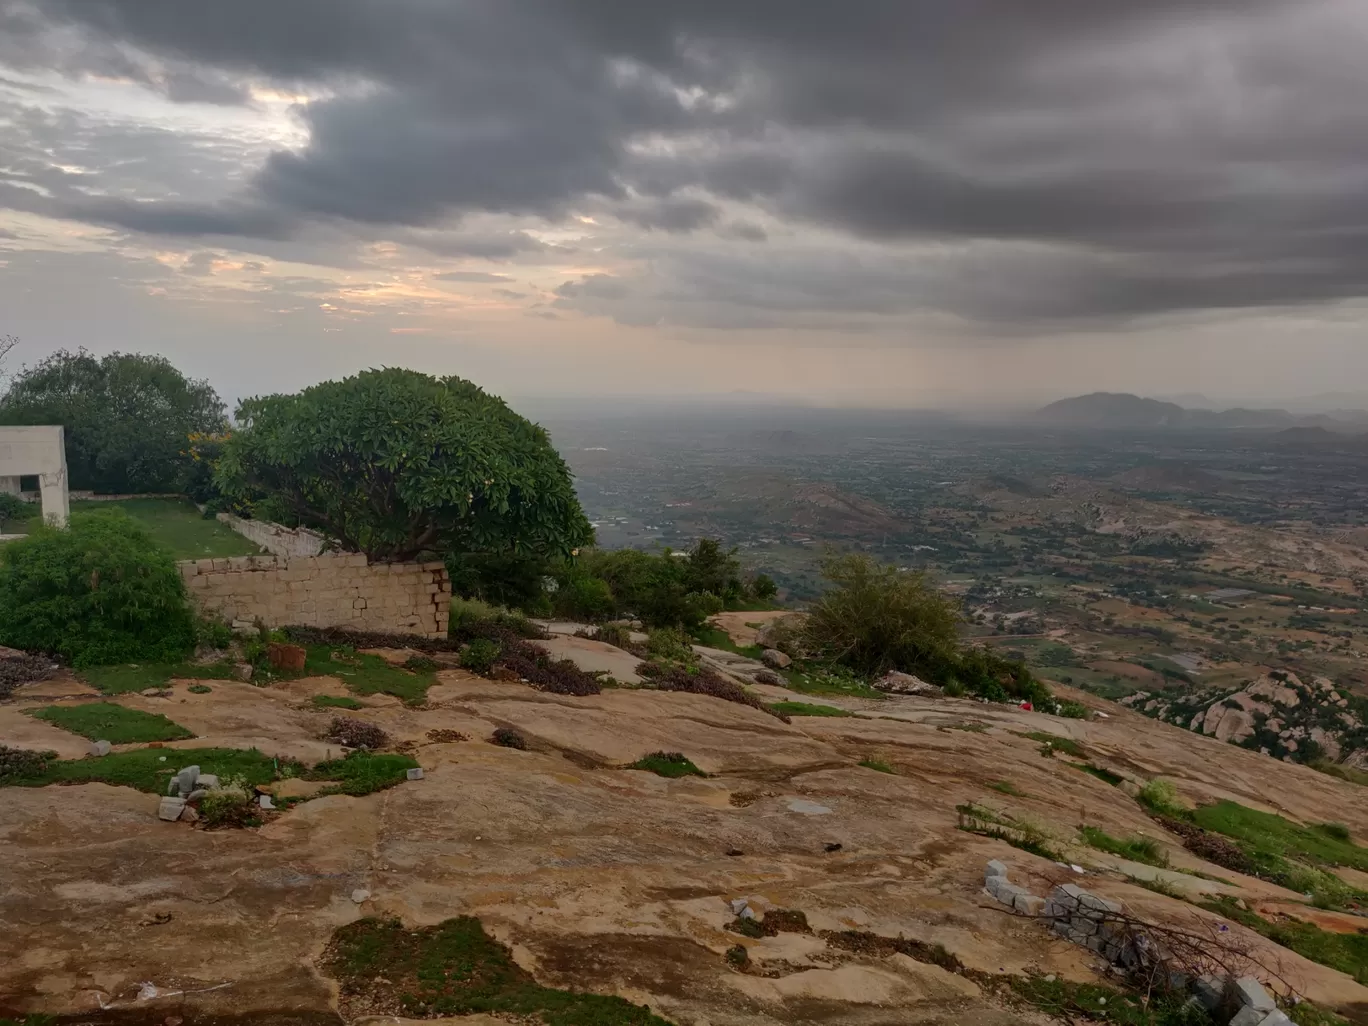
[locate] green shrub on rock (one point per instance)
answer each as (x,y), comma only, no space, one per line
(97,592)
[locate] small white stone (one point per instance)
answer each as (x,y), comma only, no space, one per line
(360,894)
(416,773)
(264,800)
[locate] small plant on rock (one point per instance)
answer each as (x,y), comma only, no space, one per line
(228,807)
(507,737)
(668,764)
(479,656)
(354,733)
(738,956)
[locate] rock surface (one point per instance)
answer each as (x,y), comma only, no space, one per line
(604,879)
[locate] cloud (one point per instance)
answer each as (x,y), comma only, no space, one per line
(471,276)
(1073,161)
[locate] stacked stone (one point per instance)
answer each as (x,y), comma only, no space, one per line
(1097,924)
(335,590)
(187,787)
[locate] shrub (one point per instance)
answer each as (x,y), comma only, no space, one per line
(479,655)
(668,764)
(581,597)
(703,681)
(228,808)
(877,618)
(100,591)
(556,676)
(20,763)
(1161,796)
(737,955)
(671,644)
(354,733)
(615,634)
(13,508)
(507,737)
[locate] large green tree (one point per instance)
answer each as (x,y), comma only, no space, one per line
(395,463)
(127,416)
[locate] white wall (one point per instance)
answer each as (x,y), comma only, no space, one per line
(39,450)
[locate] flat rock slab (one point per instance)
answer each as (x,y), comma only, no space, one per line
(594,656)
(20,730)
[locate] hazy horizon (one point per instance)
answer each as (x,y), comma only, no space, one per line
(872,205)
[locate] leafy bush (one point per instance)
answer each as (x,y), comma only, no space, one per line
(13,508)
(1161,796)
(228,808)
(354,733)
(20,763)
(877,618)
(556,676)
(100,591)
(671,644)
(615,634)
(126,416)
(479,655)
(395,463)
(507,737)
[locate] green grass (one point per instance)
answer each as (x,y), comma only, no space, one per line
(1051,743)
(807,709)
(877,764)
(368,674)
(979,819)
(1066,1001)
(716,637)
(1006,787)
(455,968)
(149,769)
(176,523)
(816,680)
(335,702)
(120,680)
(1268,837)
(105,721)
(362,773)
(668,764)
(1347,952)
(1137,849)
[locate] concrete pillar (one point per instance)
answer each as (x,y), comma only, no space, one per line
(56,500)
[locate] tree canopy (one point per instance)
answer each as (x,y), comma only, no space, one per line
(127,416)
(395,463)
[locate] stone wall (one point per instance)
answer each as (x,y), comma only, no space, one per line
(336,590)
(278,540)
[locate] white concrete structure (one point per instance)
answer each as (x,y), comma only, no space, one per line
(40,451)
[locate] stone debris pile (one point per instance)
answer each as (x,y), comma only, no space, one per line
(183,792)
(1100,925)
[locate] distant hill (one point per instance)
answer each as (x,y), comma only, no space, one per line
(1113,410)
(1104,410)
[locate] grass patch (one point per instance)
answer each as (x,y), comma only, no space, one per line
(455,968)
(368,674)
(807,709)
(1067,1001)
(361,773)
(668,764)
(968,728)
(1006,787)
(335,702)
(175,523)
(716,637)
(986,822)
(131,677)
(1269,837)
(105,721)
(877,764)
(1136,849)
(1051,743)
(1347,952)
(149,769)
(808,679)
(1161,798)
(1158,887)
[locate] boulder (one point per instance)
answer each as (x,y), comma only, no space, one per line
(773,657)
(207,781)
(99,748)
(895,682)
(170,809)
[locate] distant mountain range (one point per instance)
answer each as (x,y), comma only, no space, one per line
(1121,410)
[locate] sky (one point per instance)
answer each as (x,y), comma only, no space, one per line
(871,202)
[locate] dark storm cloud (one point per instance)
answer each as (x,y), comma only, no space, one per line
(1124,158)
